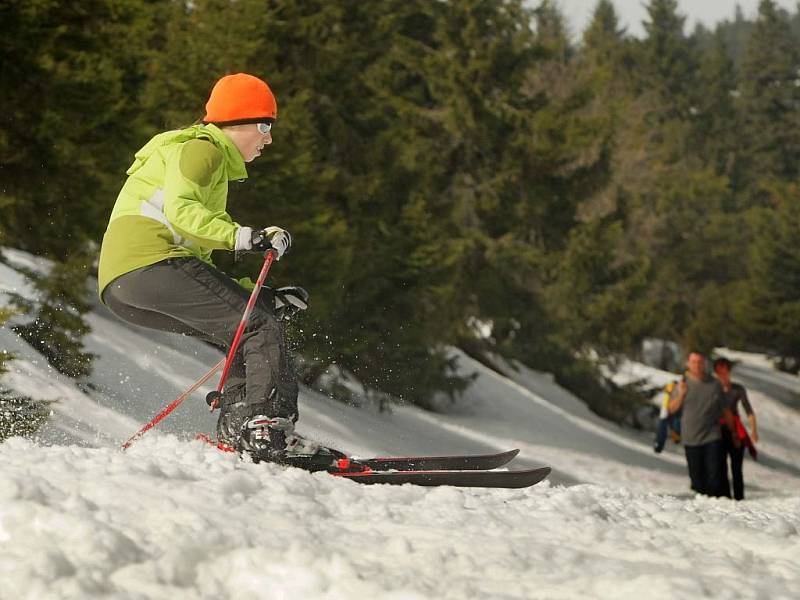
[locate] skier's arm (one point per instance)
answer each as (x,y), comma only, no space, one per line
(753,427)
(191,174)
(751,416)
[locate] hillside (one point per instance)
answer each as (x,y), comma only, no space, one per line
(80,518)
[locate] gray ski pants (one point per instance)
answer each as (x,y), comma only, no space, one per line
(190,297)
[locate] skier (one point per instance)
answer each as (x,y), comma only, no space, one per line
(155,265)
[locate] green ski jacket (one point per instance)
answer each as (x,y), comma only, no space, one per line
(173,203)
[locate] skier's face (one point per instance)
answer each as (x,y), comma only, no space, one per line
(250,139)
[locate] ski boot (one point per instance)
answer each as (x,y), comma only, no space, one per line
(264,438)
(246,429)
(273,439)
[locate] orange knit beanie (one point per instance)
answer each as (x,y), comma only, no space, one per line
(238,99)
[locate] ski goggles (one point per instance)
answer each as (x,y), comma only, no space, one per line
(264,127)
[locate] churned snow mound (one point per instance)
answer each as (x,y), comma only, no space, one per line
(173,519)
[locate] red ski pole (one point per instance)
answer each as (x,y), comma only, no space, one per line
(213,397)
(173,405)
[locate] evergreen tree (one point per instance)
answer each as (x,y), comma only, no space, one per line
(69,77)
(599,297)
(770,101)
(716,121)
(58,325)
(767,310)
(606,64)
(667,63)
(528,151)
(440,93)
(737,34)
(605,45)
(593,272)
(19,415)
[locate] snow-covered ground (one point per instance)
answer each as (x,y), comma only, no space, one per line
(174,518)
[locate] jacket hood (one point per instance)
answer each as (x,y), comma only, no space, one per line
(210,132)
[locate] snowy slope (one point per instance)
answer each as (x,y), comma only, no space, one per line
(174,518)
(180,520)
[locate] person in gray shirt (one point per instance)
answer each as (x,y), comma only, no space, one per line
(702,400)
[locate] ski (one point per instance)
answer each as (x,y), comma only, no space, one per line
(465,462)
(340,461)
(485,479)
(470,470)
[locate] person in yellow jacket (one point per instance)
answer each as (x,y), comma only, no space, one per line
(155,265)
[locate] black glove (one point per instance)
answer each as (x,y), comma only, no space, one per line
(289,301)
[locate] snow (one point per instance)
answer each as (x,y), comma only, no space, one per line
(173,517)
(177,519)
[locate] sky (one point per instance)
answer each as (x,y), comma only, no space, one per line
(632,12)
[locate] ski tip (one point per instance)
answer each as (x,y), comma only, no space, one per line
(538,475)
